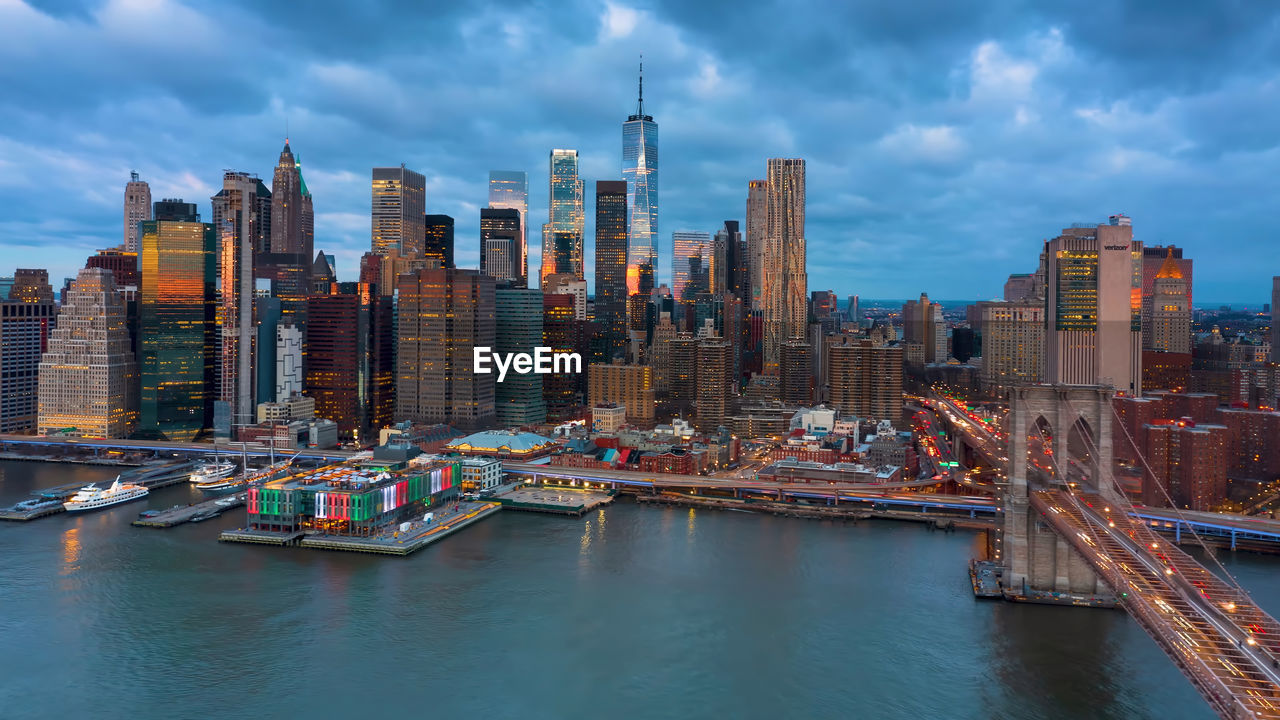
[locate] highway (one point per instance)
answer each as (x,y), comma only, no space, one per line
(1214,633)
(990,444)
(166,446)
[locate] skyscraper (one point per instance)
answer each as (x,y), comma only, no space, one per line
(500,237)
(690,258)
(442,315)
(562,235)
(1094,332)
(640,170)
(611,264)
(288,264)
(785,283)
(347,369)
(922,323)
(715,383)
(27,316)
(1012,343)
(439,242)
(177,326)
(559,391)
(399,211)
(629,385)
(88,377)
(728,270)
(796,372)
(866,379)
(242,221)
(510,189)
(518,398)
(137,207)
(1275,312)
(757,226)
(1166,322)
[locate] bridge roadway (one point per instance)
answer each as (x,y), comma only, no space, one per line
(840,492)
(980,438)
(1227,646)
(1220,526)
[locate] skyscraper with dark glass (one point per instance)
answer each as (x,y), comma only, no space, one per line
(640,170)
(287,265)
(177,329)
(439,241)
(510,189)
(518,398)
(562,235)
(27,316)
(500,235)
(611,263)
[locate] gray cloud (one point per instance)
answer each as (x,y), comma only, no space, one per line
(945,140)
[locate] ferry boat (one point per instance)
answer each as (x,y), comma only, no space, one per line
(94,497)
(212,470)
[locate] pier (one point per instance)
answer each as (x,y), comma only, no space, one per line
(189,513)
(418,535)
(24,515)
(557,501)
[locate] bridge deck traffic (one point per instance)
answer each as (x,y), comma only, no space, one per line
(1214,633)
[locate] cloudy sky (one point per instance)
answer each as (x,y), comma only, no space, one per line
(945,139)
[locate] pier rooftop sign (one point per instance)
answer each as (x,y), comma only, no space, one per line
(543,361)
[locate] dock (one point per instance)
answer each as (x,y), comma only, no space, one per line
(986,576)
(184,514)
(557,501)
(814,512)
(24,515)
(419,535)
(260,537)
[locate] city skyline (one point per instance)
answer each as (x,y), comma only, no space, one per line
(920,177)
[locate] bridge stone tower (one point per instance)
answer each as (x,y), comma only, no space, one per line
(1075,417)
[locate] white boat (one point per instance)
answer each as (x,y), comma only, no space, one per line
(94,497)
(209,471)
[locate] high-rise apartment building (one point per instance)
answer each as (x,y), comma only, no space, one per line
(438,245)
(716,387)
(757,226)
(500,237)
(518,398)
(628,385)
(137,208)
(640,170)
(611,264)
(122,264)
(399,211)
(785,284)
(178,336)
(1093,295)
(1185,462)
(27,316)
(1275,313)
(866,379)
(567,284)
(442,315)
(88,376)
(242,221)
(683,372)
(796,373)
(510,189)
(562,235)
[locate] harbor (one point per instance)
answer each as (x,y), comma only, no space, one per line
(48,501)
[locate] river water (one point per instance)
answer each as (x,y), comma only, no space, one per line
(631,612)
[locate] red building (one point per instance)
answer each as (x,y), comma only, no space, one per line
(1186,463)
(123,266)
(349,370)
(676,460)
(1166,370)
